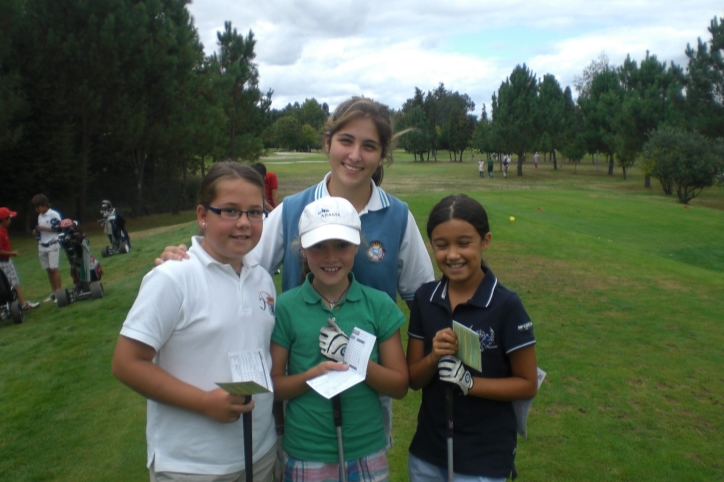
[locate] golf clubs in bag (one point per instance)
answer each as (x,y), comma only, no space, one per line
(84,268)
(114,226)
(9,304)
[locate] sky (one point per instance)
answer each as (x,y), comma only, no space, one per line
(333,49)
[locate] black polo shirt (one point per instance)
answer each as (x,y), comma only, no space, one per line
(485,430)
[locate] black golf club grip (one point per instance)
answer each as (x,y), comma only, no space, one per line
(248,464)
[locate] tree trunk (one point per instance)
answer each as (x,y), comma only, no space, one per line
(138,157)
(610,164)
(521,156)
(84,155)
(647,181)
(184,179)
(624,172)
(555,160)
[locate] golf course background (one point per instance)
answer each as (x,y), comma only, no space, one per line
(625,287)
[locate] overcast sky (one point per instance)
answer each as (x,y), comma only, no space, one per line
(333,49)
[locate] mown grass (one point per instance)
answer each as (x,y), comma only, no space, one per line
(624,286)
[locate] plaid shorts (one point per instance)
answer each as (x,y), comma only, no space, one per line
(372,468)
(9,270)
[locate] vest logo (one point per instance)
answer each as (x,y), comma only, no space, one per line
(266,301)
(375,252)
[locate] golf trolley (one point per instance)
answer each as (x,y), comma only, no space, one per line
(114,226)
(9,304)
(84,269)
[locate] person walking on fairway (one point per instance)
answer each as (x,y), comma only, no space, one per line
(536,159)
(491,166)
(481,168)
(484,439)
(506,164)
(321,313)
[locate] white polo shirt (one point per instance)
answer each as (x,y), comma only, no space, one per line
(45,219)
(193,313)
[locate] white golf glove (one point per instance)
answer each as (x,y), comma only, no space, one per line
(452,371)
(333,341)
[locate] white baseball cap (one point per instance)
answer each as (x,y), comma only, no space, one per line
(329,218)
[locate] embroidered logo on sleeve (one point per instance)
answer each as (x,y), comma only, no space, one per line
(525,326)
(266,301)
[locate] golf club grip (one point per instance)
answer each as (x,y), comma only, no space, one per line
(449,410)
(248,462)
(337,410)
(450,429)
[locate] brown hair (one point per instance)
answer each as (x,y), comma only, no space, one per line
(361,107)
(222,171)
(40,200)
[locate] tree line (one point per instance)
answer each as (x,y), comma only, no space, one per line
(667,118)
(117,99)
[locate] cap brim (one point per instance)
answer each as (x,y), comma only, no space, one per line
(329,231)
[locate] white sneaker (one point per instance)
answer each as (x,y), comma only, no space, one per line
(49,298)
(30,305)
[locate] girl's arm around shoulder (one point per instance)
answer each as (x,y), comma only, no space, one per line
(133,365)
(390,376)
(521,385)
(287,387)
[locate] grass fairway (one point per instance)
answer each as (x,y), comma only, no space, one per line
(624,285)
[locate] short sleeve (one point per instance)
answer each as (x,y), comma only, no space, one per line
(518,327)
(282,328)
(390,317)
(156,311)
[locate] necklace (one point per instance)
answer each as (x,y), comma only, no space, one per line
(332,303)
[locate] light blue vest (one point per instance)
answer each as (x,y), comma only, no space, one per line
(376,263)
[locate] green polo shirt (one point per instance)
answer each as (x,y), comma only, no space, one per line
(309,431)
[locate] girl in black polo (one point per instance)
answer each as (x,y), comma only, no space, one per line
(485,428)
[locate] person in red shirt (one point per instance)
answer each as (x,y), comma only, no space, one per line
(6,252)
(270,186)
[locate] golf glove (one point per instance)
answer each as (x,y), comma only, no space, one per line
(333,341)
(452,371)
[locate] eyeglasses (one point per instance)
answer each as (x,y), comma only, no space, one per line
(231,214)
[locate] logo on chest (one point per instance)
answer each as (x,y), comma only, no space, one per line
(266,301)
(375,252)
(487,340)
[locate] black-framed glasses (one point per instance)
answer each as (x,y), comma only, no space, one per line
(232,214)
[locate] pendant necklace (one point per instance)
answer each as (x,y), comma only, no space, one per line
(332,303)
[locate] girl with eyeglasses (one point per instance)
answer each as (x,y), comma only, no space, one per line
(187,322)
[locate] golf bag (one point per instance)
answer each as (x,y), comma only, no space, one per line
(85,270)
(9,304)
(114,226)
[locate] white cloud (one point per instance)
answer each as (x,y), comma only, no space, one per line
(332,49)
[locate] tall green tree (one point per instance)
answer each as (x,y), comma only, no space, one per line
(417,138)
(705,82)
(600,108)
(651,94)
(514,124)
(245,106)
(550,112)
(160,50)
